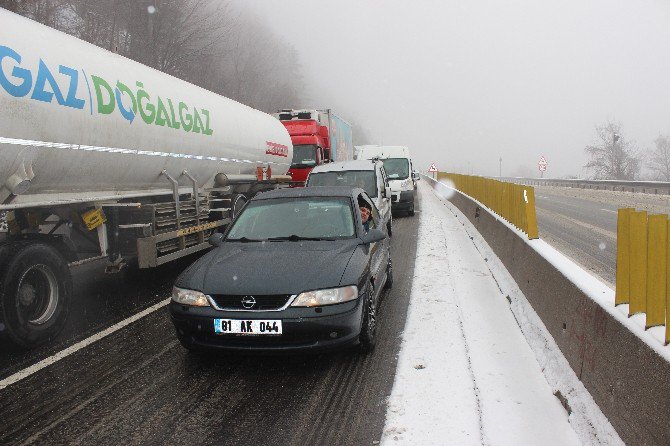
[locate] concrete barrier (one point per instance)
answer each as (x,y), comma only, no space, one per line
(626,377)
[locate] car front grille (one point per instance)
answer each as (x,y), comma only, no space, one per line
(250,302)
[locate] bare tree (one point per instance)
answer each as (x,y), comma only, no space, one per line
(659,158)
(205,42)
(48,12)
(612,156)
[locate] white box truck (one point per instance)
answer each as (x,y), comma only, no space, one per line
(398,166)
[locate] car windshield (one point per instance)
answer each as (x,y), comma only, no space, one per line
(290,219)
(304,155)
(396,168)
(365,179)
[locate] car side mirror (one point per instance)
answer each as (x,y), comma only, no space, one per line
(216,239)
(416,176)
(373,235)
(387,192)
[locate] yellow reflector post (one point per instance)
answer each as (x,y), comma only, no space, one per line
(638,262)
(622,295)
(531,217)
(657,239)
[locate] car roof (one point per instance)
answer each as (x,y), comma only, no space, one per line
(383,152)
(345,165)
(303,192)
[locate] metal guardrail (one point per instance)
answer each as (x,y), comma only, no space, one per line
(642,266)
(514,203)
(648,187)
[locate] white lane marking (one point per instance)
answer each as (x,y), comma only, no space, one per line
(21,374)
(609,210)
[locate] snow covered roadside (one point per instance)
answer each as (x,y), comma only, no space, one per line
(466,374)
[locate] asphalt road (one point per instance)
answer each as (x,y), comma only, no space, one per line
(139,386)
(582,229)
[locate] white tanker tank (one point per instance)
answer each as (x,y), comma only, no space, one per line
(104,158)
(80,123)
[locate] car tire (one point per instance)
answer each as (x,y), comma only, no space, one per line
(411,211)
(389,227)
(368,336)
(35,292)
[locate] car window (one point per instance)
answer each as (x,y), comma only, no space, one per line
(306,217)
(374,214)
(397,168)
(365,179)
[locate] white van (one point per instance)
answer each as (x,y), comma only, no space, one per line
(402,177)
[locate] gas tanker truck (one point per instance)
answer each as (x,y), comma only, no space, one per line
(104,158)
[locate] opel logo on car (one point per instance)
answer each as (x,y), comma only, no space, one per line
(248,302)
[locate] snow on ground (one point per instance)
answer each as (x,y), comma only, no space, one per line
(466,374)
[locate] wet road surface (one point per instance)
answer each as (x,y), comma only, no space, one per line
(582,229)
(139,385)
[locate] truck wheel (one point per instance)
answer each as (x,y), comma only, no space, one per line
(368,336)
(35,292)
(411,210)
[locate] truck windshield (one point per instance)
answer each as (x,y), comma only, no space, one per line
(284,219)
(396,168)
(304,155)
(365,179)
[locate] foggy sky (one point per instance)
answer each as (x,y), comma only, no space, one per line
(463,83)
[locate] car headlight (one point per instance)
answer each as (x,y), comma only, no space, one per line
(404,183)
(326,297)
(189,297)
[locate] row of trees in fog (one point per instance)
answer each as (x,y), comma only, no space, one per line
(206,42)
(614,157)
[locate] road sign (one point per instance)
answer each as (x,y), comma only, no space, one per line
(542,164)
(432,168)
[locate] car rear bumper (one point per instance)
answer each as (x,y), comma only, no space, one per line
(337,327)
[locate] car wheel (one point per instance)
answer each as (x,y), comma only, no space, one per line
(368,336)
(389,274)
(411,211)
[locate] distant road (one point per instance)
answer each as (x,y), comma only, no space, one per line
(581,229)
(582,223)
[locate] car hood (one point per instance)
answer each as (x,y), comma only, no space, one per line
(396,185)
(270,267)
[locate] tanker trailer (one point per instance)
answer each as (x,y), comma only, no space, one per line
(105,158)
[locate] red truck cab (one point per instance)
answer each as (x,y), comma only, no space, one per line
(311,142)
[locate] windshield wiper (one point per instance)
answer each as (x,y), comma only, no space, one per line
(297,238)
(243,240)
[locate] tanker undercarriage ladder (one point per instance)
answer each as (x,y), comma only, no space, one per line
(177,228)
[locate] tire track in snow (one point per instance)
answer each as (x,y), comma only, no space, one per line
(459,313)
